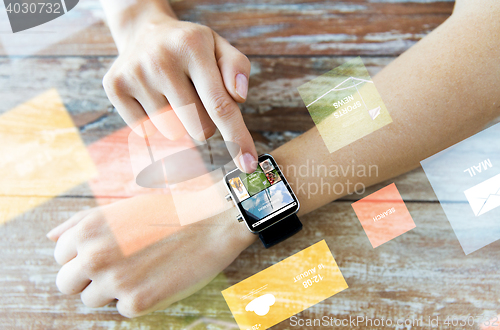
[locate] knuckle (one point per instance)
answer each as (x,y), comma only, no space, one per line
(123,308)
(158,62)
(154,54)
(119,281)
(139,303)
(61,246)
(135,304)
(222,106)
(92,263)
(125,82)
(61,284)
(122,284)
(84,230)
(192,38)
(89,302)
(87,229)
(114,84)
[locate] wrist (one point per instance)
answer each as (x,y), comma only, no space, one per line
(126,20)
(239,236)
(213,211)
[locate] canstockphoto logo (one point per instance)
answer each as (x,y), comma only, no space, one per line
(25,14)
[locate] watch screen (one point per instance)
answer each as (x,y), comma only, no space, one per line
(263,197)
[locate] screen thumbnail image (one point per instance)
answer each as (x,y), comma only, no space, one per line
(238,188)
(273,177)
(255,182)
(267,166)
(268,201)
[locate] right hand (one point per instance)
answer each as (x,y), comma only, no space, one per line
(166,64)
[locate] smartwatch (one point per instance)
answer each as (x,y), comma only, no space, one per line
(265,201)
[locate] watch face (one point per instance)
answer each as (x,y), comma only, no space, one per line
(264,196)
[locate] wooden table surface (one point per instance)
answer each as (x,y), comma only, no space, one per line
(419,274)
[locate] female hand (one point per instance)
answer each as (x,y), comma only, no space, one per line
(165,65)
(135,251)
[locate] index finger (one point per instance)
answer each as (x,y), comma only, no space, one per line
(224,112)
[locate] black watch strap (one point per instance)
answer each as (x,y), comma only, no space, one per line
(280,231)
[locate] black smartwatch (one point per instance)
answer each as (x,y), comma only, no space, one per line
(265,200)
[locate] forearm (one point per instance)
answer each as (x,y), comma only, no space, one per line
(125,16)
(439,92)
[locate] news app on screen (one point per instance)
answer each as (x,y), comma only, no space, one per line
(262,193)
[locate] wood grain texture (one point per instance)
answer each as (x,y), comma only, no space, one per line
(423,272)
(274,112)
(353,27)
(419,274)
(30,299)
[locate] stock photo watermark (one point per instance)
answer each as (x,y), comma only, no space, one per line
(407,323)
(333,179)
(26,14)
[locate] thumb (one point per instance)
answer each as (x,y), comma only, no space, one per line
(234,67)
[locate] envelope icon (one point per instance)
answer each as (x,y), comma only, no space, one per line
(374,112)
(484,196)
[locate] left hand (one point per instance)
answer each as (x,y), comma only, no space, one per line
(135,251)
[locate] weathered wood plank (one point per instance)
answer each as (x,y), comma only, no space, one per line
(415,275)
(78,81)
(420,273)
(274,111)
(347,28)
(274,104)
(31,300)
(354,27)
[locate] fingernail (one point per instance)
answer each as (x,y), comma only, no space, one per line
(53,231)
(50,234)
(247,161)
(242,85)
